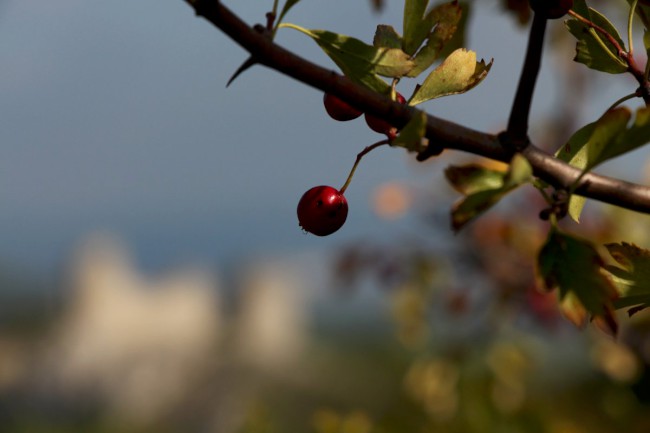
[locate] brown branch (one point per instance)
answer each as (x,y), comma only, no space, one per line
(517,131)
(440,132)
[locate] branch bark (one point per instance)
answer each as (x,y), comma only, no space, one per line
(441,133)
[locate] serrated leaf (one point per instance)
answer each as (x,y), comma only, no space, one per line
(484,189)
(387,37)
(446,17)
(634,270)
(411,137)
(574,267)
(593,49)
(459,73)
(602,140)
(632,277)
(358,60)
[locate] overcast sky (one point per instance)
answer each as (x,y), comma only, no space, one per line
(115,116)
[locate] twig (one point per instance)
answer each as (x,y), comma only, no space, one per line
(517,131)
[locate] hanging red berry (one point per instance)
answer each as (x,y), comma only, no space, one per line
(322,210)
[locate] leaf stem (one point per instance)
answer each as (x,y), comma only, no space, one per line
(356,162)
(629,28)
(621,100)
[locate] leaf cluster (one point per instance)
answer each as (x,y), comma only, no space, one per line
(428,34)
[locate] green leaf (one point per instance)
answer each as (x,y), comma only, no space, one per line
(411,137)
(358,60)
(593,49)
(287,5)
(576,205)
(446,17)
(460,35)
(590,145)
(416,25)
(472,206)
(484,188)
(580,7)
(604,139)
(633,275)
(608,137)
(349,51)
(519,172)
(459,73)
(574,267)
(387,37)
(637,135)
(472,178)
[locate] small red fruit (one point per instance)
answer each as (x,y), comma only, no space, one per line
(322,210)
(338,109)
(551,9)
(380,125)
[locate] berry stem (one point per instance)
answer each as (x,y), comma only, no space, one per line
(356,162)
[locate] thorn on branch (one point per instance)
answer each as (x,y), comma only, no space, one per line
(270,20)
(244,66)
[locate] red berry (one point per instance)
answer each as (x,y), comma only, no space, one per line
(322,210)
(380,125)
(551,9)
(338,109)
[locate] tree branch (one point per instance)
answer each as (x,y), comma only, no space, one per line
(517,131)
(441,133)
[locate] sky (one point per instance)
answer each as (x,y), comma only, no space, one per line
(115,117)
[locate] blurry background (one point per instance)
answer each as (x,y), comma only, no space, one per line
(153,276)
